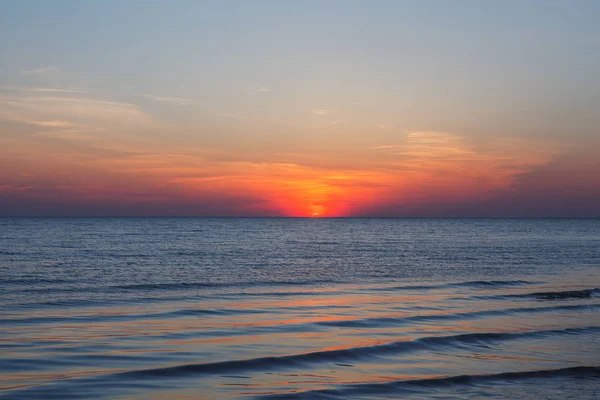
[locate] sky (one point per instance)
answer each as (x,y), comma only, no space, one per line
(300,108)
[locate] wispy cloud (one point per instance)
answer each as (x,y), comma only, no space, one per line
(43,72)
(264,89)
(41,90)
(55,111)
(385,147)
(337,122)
(54,90)
(176,101)
(14,188)
(451,153)
(423,166)
(241,117)
(383,126)
(325,111)
(54,124)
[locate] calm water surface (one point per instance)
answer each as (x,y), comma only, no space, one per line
(299,308)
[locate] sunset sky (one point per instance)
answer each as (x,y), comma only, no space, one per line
(300,108)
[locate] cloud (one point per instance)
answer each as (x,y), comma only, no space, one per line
(264,89)
(51,111)
(240,117)
(71,135)
(383,126)
(43,72)
(176,101)
(14,188)
(41,90)
(434,173)
(421,150)
(325,111)
(54,124)
(385,147)
(53,90)
(566,186)
(337,122)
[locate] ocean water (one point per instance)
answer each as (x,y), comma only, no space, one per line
(299,308)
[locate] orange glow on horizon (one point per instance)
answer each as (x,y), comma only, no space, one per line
(427,168)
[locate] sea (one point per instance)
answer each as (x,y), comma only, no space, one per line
(299,308)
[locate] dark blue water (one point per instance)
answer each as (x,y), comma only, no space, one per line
(299,308)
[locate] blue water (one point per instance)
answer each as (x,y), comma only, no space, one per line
(299,308)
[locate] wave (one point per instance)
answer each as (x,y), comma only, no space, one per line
(468,284)
(63,303)
(34,281)
(166,286)
(99,302)
(288,293)
(393,321)
(182,286)
(354,353)
(553,295)
(570,294)
(161,297)
(371,322)
(188,285)
(130,317)
(497,283)
(399,386)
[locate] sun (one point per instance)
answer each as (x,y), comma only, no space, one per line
(317,211)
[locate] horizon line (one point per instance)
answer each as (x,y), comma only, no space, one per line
(275,217)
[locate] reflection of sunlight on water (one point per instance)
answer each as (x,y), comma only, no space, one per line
(349,326)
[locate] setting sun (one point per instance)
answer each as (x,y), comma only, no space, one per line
(317,210)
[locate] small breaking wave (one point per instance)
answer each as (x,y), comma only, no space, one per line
(353,353)
(84,319)
(496,283)
(400,386)
(394,321)
(481,284)
(570,294)
(553,295)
